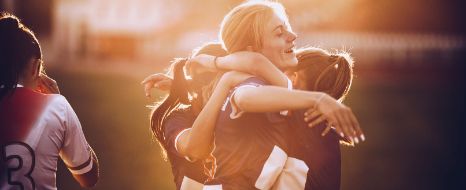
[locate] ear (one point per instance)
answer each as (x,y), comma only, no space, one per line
(35,64)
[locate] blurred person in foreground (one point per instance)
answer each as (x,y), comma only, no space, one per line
(37,125)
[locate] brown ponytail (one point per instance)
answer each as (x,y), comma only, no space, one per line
(325,72)
(18,46)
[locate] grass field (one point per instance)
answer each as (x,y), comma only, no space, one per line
(413,125)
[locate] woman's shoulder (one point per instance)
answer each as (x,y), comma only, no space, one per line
(57,99)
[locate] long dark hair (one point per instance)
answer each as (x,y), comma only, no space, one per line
(181,91)
(18,45)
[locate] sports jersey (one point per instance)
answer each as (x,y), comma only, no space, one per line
(320,153)
(250,148)
(35,130)
(187,174)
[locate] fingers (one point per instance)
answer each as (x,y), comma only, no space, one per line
(339,116)
(163,85)
(147,87)
(338,129)
(309,111)
(332,121)
(48,85)
(358,129)
(311,114)
(346,127)
(316,121)
(326,130)
(352,127)
(159,80)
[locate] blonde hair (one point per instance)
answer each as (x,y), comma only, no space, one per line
(321,70)
(244,25)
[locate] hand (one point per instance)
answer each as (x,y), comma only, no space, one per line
(337,115)
(159,81)
(315,117)
(47,85)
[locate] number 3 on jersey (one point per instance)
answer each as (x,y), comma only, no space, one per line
(18,159)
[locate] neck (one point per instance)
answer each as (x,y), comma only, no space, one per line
(28,83)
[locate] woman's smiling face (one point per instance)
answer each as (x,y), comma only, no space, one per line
(278,42)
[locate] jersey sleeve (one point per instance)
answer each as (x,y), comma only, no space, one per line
(75,150)
(176,124)
(252,82)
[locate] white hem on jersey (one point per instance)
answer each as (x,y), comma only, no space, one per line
(273,167)
(212,187)
(235,111)
(188,184)
(293,175)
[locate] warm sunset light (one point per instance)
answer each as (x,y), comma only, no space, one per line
(397,67)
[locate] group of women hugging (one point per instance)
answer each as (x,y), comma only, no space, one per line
(252,111)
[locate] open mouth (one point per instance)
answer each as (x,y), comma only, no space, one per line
(290,50)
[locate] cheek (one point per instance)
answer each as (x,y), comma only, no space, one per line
(273,47)
(277,44)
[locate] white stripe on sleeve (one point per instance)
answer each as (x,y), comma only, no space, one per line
(83,170)
(176,144)
(235,111)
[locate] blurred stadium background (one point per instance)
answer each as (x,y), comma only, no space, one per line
(409,90)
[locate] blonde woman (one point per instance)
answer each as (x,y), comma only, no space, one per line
(242,152)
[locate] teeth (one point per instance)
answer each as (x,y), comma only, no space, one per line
(289,51)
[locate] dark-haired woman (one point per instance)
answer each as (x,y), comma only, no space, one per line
(186,134)
(36,128)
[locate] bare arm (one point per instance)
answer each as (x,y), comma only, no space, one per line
(196,143)
(247,62)
(255,64)
(272,98)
